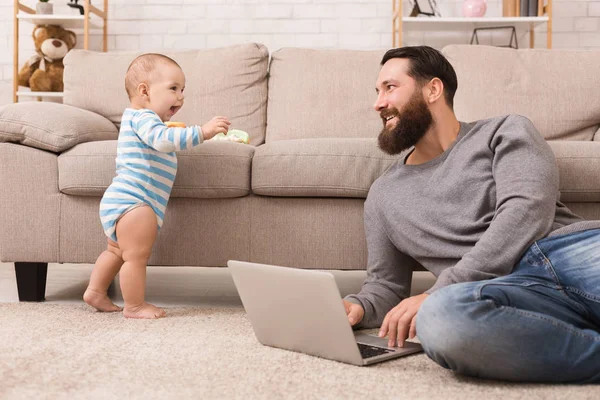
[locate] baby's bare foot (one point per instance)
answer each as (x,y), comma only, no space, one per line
(99,301)
(144,311)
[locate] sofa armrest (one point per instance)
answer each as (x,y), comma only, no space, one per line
(52,126)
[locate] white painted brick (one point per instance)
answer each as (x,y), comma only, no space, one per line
(271,11)
(563,24)
(127,42)
(354,10)
(242,26)
(591,40)
(586,24)
(341,26)
(570,9)
(184,42)
(362,24)
(151,43)
(594,9)
(213,41)
(385,10)
(227,11)
(314,11)
(274,41)
(360,41)
(209,26)
(117,3)
(7,72)
(6,12)
(146,12)
(317,40)
(565,40)
(377,25)
(287,26)
(350,1)
(292,1)
(162,2)
(196,2)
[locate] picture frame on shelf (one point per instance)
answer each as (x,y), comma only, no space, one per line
(424,7)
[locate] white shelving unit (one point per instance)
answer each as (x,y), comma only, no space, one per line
(23,93)
(85,22)
(437,23)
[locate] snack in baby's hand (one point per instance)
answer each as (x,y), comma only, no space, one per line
(233,135)
(173,124)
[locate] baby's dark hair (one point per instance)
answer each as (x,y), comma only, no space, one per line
(140,69)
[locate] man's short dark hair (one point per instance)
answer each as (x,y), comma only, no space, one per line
(426,63)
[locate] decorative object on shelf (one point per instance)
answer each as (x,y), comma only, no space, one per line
(529,8)
(474,8)
(513,35)
(43,7)
(424,7)
(44,71)
(73,4)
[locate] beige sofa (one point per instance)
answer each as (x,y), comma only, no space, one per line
(295,195)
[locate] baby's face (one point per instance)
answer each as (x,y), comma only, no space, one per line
(165,92)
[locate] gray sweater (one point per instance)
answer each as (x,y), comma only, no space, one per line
(467,215)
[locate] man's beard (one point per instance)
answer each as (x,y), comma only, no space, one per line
(414,121)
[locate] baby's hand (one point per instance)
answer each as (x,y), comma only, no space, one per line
(214,126)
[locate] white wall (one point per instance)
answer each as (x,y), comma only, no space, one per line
(357,24)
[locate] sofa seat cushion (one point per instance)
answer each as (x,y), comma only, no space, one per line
(578,167)
(211,170)
(328,167)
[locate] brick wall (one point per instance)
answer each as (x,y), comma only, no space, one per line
(357,24)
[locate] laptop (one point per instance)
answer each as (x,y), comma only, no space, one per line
(302,310)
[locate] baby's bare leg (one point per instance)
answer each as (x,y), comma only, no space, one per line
(137,232)
(106,268)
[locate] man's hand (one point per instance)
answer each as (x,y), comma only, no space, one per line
(354,311)
(400,322)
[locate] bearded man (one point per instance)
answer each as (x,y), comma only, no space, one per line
(517,295)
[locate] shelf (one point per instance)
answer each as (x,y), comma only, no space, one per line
(423,23)
(40,94)
(75,20)
(65,20)
(481,20)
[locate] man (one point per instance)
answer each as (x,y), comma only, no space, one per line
(517,295)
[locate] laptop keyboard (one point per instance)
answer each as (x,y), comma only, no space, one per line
(368,351)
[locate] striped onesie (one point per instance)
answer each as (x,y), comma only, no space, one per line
(146,166)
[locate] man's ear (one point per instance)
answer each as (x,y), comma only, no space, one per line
(142,90)
(435,89)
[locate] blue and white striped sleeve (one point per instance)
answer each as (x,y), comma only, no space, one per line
(152,131)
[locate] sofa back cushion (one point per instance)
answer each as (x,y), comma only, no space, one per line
(556,89)
(230,81)
(322,94)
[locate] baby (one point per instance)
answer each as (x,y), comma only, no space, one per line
(133,207)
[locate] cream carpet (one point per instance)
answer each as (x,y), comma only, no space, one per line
(50,351)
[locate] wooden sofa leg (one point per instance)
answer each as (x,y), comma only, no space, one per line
(31,280)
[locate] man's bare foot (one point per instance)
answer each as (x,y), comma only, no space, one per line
(100,301)
(145,310)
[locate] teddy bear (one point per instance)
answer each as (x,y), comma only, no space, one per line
(44,71)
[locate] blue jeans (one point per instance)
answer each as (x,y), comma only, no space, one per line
(540,323)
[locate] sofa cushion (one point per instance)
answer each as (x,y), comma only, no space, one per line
(52,126)
(578,167)
(230,81)
(318,167)
(322,93)
(553,88)
(211,170)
